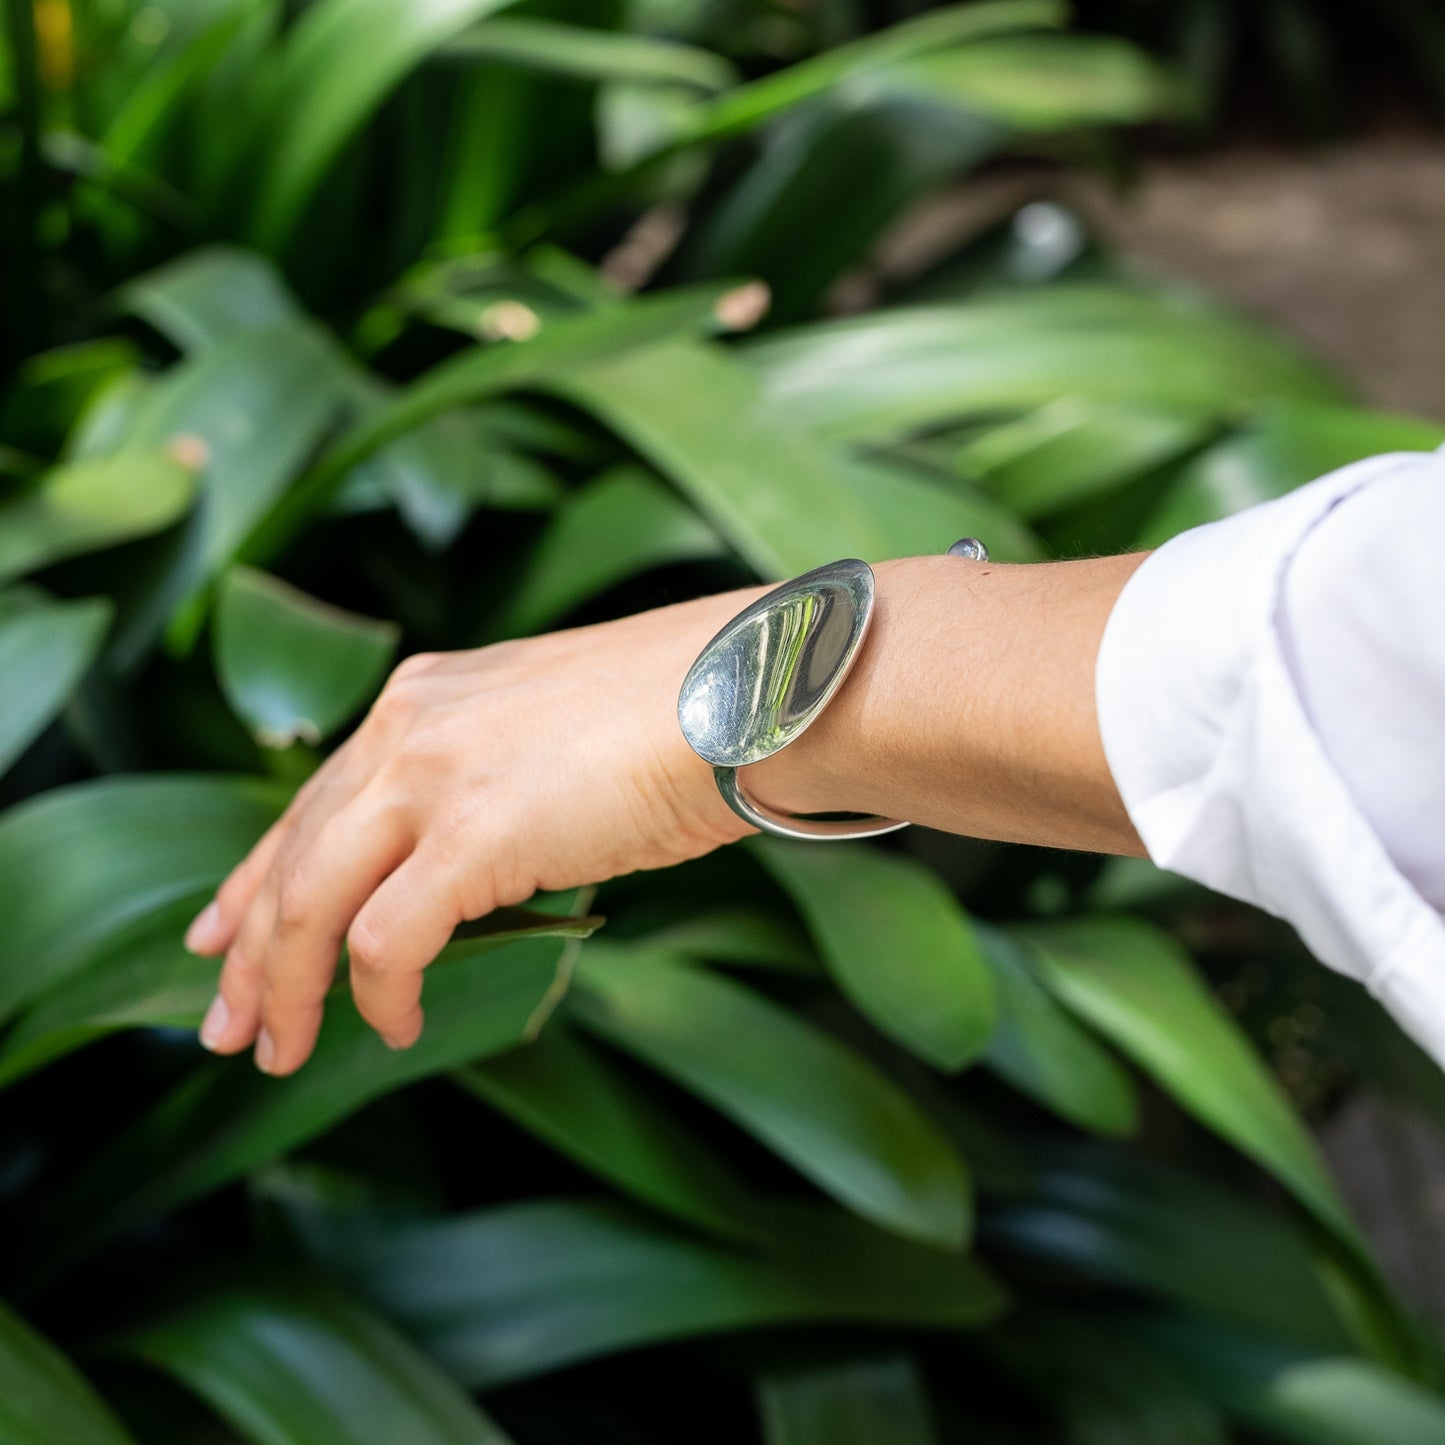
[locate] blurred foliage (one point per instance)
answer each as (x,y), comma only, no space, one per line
(341,330)
(1318,68)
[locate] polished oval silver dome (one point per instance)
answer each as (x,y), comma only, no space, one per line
(772,669)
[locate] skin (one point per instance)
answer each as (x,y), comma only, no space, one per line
(481,777)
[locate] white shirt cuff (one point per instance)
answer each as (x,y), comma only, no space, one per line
(1221,770)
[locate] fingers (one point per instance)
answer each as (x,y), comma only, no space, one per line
(281,965)
(402,927)
(214,928)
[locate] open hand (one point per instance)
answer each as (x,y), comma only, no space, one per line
(477,779)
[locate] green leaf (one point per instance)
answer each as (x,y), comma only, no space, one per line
(586,54)
(1137,987)
(156,100)
(1043,82)
(77,864)
(896,940)
(1282,449)
(295,1361)
(921,507)
(1043,1052)
(292,667)
(91,504)
(517,1291)
(211,295)
(1295,1396)
(228,1119)
(145,978)
(484,372)
(786,502)
(1071,451)
(575,1097)
(750,105)
(258,403)
(880,1401)
(45,648)
(54,388)
(1150,1227)
(893,373)
(45,1398)
(815,1103)
(339,62)
(617,525)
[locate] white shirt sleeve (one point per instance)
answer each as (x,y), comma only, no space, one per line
(1271,697)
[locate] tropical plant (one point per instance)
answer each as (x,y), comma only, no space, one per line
(386,325)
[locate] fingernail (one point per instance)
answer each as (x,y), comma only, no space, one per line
(215,1021)
(201,935)
(265,1052)
(395,1042)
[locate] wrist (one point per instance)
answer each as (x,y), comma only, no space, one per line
(837,764)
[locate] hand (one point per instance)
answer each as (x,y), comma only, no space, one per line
(477,779)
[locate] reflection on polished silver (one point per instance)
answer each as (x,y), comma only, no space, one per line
(769,673)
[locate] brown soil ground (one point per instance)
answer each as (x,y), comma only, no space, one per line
(1344,247)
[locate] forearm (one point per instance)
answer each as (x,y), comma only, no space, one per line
(971,708)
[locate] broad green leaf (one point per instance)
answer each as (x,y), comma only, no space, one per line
(227,1118)
(1044,1052)
(1283,448)
(751,104)
(1293,1395)
(292,667)
(923,507)
(339,62)
(1043,82)
(145,978)
(896,940)
(698,417)
(257,403)
(78,864)
(896,372)
(484,372)
(753,937)
(52,390)
(619,524)
(295,1361)
(575,1097)
(587,54)
(879,1401)
(785,501)
(1148,1226)
(815,1103)
(1071,451)
(209,296)
(437,474)
(441,472)
(517,1291)
(86,505)
(45,648)
(1137,987)
(44,1398)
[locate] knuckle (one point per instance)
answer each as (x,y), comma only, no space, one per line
(417,665)
(366,948)
(239,970)
(293,901)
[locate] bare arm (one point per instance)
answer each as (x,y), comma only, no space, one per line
(481,777)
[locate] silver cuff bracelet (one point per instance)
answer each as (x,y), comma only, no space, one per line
(767,675)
